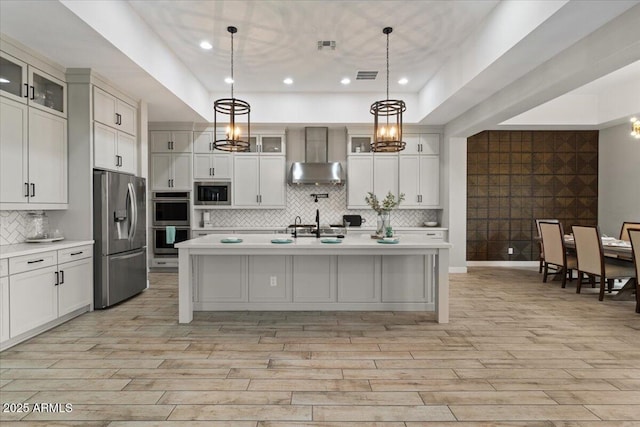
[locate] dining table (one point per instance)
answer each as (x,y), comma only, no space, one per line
(615,251)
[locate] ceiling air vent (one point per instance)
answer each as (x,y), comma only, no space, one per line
(326,44)
(367,75)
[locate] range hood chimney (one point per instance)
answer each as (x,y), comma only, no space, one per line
(316,170)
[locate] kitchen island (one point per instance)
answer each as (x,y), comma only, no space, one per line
(359,273)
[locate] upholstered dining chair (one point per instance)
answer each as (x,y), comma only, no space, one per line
(591,259)
(634,237)
(541,258)
(624,233)
(555,253)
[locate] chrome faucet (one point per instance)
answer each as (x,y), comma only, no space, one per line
(295,228)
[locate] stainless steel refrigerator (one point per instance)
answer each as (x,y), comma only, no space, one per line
(119,231)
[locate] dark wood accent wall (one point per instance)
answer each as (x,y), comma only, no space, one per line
(514,177)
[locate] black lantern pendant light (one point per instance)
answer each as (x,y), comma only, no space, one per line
(235,109)
(387,118)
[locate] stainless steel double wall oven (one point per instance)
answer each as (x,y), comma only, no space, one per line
(170,209)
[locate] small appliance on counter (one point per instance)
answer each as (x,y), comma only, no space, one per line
(353,220)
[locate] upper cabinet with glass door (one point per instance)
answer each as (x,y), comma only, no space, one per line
(29,85)
(266,145)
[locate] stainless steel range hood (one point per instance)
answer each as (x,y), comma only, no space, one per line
(316,170)
(316,173)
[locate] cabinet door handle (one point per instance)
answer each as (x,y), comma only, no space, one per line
(172,145)
(57,278)
(26,187)
(61,277)
(76,253)
(116,118)
(33,93)
(213,171)
(171,182)
(119,119)
(120,158)
(33,190)
(210,144)
(257,198)
(35,261)
(26,90)
(168,145)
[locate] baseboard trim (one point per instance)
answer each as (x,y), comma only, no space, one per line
(503,264)
(457,270)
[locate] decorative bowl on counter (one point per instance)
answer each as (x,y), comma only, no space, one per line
(431,224)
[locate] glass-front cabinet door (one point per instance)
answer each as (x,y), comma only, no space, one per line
(47,92)
(13,78)
(272,144)
(32,86)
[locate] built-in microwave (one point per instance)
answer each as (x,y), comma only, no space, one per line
(212,193)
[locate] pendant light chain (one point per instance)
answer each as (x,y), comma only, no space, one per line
(232,80)
(388,32)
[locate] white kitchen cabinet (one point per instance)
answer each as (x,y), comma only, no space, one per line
(32,86)
(171,172)
(359,180)
(113,150)
(259,181)
(44,288)
(47,157)
(203,142)
(14,152)
(33,156)
(231,280)
(114,112)
(421,144)
(4,300)
(213,166)
(420,181)
(171,141)
(385,175)
(419,172)
(32,299)
(75,288)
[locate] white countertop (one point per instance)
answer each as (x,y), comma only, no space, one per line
(244,228)
(9,251)
(263,242)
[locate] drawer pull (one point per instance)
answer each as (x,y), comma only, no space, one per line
(35,261)
(76,253)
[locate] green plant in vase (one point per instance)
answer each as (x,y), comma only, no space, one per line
(383,210)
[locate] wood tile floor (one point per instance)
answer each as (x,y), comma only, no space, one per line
(516,353)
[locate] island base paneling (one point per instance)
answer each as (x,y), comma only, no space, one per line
(327,282)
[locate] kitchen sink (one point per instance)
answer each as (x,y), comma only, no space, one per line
(309,230)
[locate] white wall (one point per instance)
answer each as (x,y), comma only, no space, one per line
(618,168)
(455,188)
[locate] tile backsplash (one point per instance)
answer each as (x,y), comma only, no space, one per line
(13,227)
(300,202)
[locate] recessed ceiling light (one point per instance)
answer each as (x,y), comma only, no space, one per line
(228,80)
(3,80)
(206,45)
(345,81)
(288,81)
(403,81)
